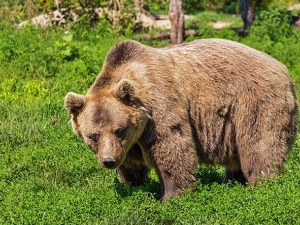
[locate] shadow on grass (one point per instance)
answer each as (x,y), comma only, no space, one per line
(150,186)
(206,175)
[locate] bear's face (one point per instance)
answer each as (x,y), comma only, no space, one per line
(108,124)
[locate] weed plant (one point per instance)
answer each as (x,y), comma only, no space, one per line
(49,176)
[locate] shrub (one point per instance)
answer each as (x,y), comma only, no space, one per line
(273,25)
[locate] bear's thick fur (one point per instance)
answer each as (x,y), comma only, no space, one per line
(209,101)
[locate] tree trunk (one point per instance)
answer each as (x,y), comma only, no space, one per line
(247,13)
(138,5)
(176,17)
(57,3)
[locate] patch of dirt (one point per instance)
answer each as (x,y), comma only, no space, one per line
(294,7)
(220,24)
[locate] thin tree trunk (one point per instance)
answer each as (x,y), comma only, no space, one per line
(138,5)
(176,17)
(247,13)
(57,3)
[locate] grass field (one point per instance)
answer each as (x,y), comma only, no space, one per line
(48,176)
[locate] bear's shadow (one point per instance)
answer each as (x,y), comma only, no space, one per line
(150,186)
(207,176)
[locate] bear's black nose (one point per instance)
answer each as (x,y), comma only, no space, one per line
(109,162)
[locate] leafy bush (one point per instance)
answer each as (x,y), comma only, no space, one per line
(117,14)
(273,25)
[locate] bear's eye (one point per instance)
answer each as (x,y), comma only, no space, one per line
(121,132)
(94,137)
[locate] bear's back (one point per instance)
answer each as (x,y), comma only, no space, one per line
(218,67)
(228,58)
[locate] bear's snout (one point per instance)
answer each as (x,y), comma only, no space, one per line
(109,162)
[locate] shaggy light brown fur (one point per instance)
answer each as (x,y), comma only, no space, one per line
(209,101)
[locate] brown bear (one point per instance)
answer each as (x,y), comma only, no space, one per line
(210,101)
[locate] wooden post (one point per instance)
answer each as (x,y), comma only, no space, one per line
(176,17)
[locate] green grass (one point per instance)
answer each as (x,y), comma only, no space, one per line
(49,176)
(209,16)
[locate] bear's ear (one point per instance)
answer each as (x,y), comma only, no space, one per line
(125,90)
(74,102)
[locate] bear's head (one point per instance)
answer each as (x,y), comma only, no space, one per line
(109,122)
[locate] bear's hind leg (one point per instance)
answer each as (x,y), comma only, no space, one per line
(256,167)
